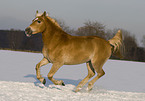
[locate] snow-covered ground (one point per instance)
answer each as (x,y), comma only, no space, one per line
(123,81)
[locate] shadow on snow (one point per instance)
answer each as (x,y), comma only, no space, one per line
(48,82)
(37,83)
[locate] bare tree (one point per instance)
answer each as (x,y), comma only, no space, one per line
(91,29)
(110,33)
(143,40)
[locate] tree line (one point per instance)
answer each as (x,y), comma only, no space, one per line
(16,39)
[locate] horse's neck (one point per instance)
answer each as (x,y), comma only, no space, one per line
(53,35)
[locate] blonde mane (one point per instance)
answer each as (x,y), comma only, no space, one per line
(51,19)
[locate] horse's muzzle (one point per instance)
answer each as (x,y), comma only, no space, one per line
(28,31)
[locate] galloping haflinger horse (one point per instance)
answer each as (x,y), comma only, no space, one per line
(60,48)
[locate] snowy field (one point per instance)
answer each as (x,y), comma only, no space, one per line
(123,81)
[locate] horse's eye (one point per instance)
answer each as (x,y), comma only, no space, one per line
(39,21)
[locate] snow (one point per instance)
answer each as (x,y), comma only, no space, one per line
(123,81)
(18,91)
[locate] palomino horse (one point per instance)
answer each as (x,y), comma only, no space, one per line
(60,48)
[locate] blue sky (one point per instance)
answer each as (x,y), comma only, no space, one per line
(126,14)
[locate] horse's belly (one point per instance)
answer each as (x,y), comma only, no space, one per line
(76,59)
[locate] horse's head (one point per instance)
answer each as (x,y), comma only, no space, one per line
(37,26)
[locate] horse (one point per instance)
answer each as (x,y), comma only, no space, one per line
(60,48)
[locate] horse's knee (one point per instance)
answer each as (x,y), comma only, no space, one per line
(37,66)
(38,77)
(91,75)
(49,76)
(101,73)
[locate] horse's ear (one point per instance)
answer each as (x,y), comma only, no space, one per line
(44,14)
(36,13)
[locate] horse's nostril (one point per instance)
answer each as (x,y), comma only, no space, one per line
(28,31)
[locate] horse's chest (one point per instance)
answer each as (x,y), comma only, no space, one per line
(44,51)
(48,54)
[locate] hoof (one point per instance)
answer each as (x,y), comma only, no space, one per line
(78,89)
(44,82)
(63,84)
(89,89)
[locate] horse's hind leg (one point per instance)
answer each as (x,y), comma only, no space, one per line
(91,83)
(100,72)
(43,62)
(91,73)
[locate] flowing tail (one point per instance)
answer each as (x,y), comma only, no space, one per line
(117,44)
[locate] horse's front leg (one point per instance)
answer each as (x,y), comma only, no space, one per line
(43,62)
(53,70)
